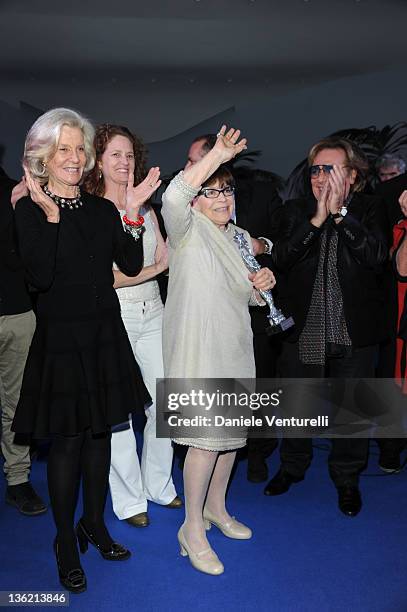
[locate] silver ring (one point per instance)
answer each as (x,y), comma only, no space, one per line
(151,184)
(218,134)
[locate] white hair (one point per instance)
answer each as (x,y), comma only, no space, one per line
(391,159)
(42,140)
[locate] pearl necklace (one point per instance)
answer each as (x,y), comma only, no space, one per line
(70,203)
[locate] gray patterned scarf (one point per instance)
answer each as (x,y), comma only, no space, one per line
(325,323)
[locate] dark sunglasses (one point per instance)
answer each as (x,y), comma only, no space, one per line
(324,168)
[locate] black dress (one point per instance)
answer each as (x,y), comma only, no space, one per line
(80,371)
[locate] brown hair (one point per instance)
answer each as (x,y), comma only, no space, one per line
(355,158)
(94,182)
(222,174)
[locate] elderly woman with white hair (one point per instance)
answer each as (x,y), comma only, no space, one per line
(81,377)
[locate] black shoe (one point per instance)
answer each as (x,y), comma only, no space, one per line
(74,580)
(349,500)
(281,482)
(23,497)
(389,460)
(115,552)
(257,470)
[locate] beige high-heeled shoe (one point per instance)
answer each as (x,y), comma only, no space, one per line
(211,565)
(231,529)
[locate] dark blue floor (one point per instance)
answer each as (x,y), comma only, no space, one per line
(304,556)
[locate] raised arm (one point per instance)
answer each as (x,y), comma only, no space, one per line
(186,185)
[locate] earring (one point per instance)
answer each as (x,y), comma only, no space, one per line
(100,175)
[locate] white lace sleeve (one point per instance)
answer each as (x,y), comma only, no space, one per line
(176,209)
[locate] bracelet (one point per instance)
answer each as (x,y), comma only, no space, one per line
(135,232)
(138,223)
(268,245)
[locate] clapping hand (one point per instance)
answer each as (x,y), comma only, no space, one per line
(228,145)
(137,195)
(336,196)
(322,212)
(40,198)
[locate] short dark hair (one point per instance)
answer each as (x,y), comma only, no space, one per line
(222,174)
(208,141)
(355,158)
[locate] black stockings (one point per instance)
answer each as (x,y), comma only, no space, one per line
(69,458)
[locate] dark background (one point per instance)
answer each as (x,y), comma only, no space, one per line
(286,71)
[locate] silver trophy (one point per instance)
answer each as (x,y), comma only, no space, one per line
(278,322)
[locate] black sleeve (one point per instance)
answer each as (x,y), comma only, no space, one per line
(366,239)
(127,252)
(275,210)
(296,234)
(37,241)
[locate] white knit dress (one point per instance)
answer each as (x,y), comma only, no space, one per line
(207,331)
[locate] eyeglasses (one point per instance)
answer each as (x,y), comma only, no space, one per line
(326,169)
(211,193)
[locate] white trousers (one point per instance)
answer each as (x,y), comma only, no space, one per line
(131,485)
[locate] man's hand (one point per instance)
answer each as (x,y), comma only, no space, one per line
(258,246)
(322,206)
(336,197)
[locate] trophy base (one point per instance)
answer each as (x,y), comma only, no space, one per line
(280,327)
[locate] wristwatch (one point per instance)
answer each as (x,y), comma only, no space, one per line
(268,245)
(342,213)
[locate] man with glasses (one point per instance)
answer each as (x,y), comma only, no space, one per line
(330,253)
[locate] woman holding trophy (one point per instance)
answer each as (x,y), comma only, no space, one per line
(207,332)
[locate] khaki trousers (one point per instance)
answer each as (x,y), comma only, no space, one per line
(16,332)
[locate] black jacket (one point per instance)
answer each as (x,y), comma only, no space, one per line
(257,210)
(14,297)
(362,251)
